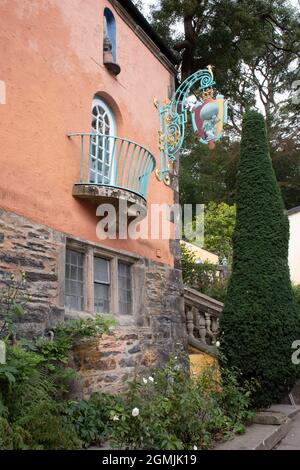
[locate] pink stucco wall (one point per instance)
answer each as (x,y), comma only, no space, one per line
(51,62)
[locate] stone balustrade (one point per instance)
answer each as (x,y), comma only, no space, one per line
(202,315)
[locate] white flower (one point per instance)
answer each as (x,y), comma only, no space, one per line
(151,379)
(195,448)
(135,412)
(175,357)
(218,344)
(115,418)
(145,380)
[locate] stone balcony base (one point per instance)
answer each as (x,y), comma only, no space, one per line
(118,197)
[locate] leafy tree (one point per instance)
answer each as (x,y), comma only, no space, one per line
(260,319)
(228,33)
(207,175)
(255,48)
(219,222)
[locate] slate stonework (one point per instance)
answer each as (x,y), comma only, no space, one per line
(34,249)
(155,330)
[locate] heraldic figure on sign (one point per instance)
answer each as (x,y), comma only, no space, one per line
(208,115)
(208,118)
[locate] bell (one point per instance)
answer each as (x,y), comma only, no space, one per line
(108,58)
(107,51)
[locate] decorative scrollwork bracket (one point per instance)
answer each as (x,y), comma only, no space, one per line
(208,114)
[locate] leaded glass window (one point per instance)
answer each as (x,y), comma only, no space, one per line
(101,285)
(74,280)
(124,283)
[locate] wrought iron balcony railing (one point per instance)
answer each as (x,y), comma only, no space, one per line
(112,161)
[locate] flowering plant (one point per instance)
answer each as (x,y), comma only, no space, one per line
(173,411)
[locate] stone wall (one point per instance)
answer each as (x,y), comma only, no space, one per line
(142,341)
(156,332)
(34,249)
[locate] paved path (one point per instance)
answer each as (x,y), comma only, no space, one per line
(292,439)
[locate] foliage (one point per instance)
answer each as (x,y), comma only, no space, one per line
(93,418)
(56,352)
(296,290)
(169,411)
(48,427)
(242,38)
(226,30)
(90,327)
(219,222)
(13,299)
(203,277)
(208,175)
(33,416)
(175,412)
(34,376)
(260,320)
(286,163)
(13,437)
(256,60)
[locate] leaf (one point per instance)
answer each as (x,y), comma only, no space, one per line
(19,311)
(10,377)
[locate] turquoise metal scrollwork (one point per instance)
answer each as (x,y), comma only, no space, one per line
(173,116)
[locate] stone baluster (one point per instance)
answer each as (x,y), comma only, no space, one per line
(202,328)
(214,328)
(195,312)
(201,318)
(208,326)
(190,322)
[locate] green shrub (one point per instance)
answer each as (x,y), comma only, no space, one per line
(93,418)
(296,290)
(34,376)
(177,412)
(260,320)
(73,330)
(48,427)
(13,300)
(6,435)
(34,420)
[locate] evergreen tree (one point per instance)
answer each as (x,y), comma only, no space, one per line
(260,320)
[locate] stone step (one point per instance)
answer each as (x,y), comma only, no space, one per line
(264,436)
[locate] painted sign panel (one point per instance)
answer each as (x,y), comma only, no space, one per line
(208,118)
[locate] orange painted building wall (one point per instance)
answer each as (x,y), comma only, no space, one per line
(51,62)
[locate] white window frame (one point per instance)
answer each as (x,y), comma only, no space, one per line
(101,147)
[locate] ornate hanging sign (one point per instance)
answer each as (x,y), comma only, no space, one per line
(208,119)
(208,114)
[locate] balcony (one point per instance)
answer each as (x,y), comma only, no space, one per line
(113,168)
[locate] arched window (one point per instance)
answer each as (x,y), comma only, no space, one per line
(109,42)
(102,163)
(110,30)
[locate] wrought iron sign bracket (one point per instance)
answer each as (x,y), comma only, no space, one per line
(208,115)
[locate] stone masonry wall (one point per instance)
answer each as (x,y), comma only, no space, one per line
(140,343)
(34,249)
(158,330)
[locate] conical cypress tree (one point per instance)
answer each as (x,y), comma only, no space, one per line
(260,321)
